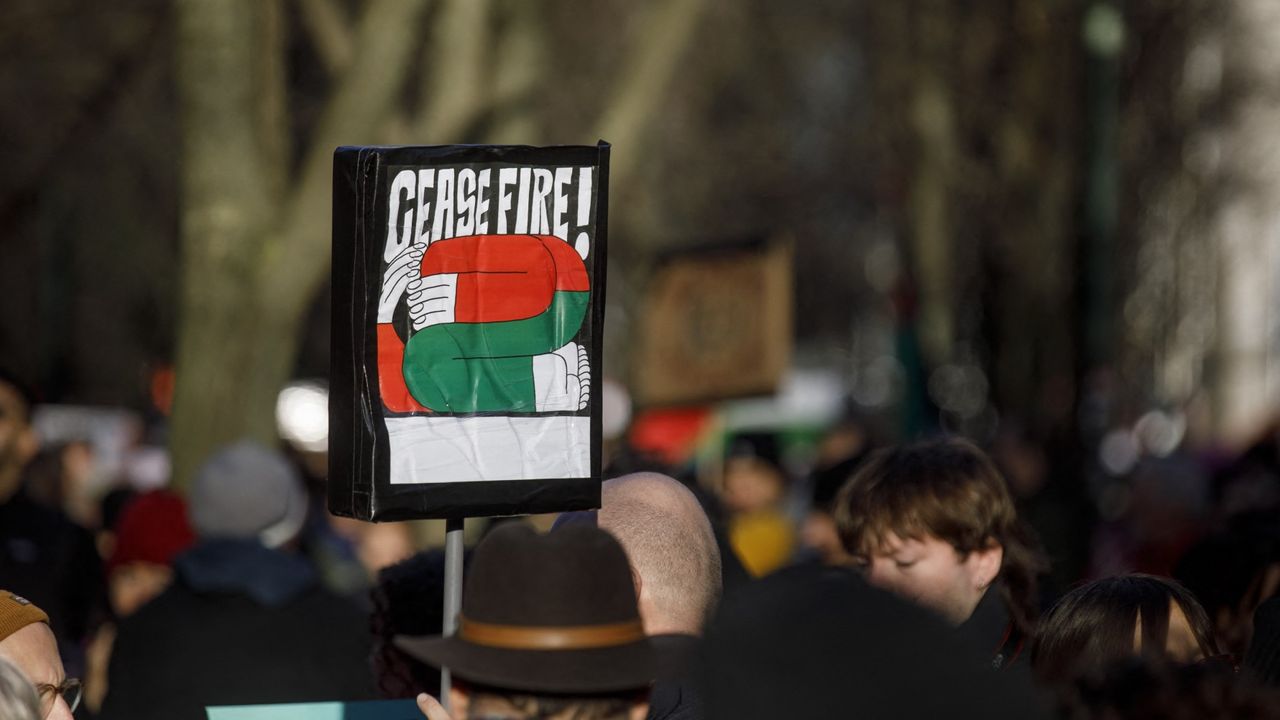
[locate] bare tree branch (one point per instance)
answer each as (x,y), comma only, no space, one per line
(931,113)
(326,24)
(521,66)
(455,60)
(66,134)
(270,112)
(227,205)
(365,95)
(651,64)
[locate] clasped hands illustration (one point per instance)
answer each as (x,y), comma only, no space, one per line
(491,323)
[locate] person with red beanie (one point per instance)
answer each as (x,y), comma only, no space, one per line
(152,530)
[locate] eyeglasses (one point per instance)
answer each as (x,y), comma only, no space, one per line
(70,691)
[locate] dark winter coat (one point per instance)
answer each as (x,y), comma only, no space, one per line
(51,561)
(240,625)
(992,632)
(674,695)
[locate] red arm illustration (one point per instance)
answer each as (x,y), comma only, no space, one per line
(390,375)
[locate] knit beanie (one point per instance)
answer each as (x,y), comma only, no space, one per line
(17,612)
(248,491)
(152,528)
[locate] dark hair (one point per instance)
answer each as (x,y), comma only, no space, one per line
(1262,660)
(951,490)
(25,394)
(43,477)
(407,600)
(546,705)
(1137,689)
(1226,572)
(112,506)
(1093,626)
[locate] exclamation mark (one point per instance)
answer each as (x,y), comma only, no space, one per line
(583,242)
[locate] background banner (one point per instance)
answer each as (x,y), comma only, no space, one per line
(716,324)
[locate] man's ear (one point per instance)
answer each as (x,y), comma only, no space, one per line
(639,710)
(984,565)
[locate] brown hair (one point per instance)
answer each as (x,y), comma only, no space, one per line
(1146,688)
(1092,626)
(951,490)
(611,706)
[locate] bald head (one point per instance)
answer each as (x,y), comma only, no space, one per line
(669,542)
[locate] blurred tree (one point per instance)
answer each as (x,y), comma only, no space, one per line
(254,236)
(953,143)
(1200,163)
(255,230)
(85,161)
(1246,224)
(979,107)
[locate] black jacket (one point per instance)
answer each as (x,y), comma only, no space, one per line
(674,695)
(818,642)
(240,625)
(51,561)
(992,632)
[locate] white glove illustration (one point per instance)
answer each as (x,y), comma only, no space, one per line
(433,299)
(562,379)
(401,272)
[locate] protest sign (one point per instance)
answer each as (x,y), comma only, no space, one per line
(468,301)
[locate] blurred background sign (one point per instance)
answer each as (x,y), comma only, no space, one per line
(716,324)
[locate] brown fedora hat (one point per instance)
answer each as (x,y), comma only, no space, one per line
(552,613)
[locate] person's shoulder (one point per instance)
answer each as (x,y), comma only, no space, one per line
(810,581)
(175,603)
(676,653)
(320,596)
(675,641)
(22,517)
(25,513)
(324,607)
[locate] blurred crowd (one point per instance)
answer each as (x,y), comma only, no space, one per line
(868,577)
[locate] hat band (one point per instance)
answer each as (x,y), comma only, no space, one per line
(556,637)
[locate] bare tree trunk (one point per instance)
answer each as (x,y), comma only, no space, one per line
(1248,228)
(253,256)
(640,91)
(455,65)
(295,266)
(981,133)
(327,25)
(520,66)
(255,241)
(229,200)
